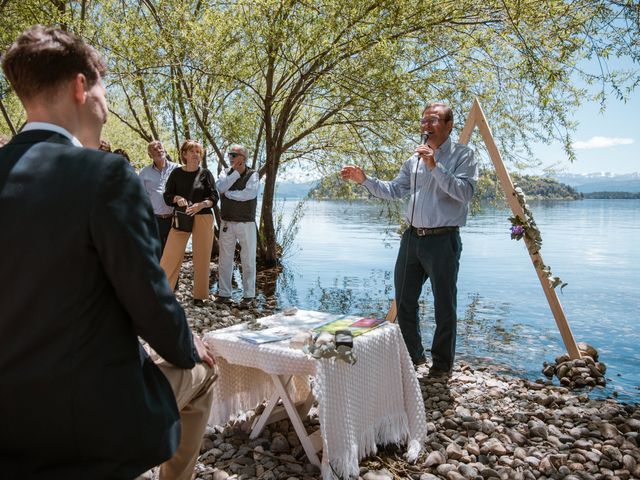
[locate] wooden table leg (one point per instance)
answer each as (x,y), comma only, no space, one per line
(266,415)
(279,382)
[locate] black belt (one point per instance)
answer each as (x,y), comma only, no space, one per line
(165,216)
(421,232)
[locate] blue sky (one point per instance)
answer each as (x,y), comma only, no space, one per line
(607,141)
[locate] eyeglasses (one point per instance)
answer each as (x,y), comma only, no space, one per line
(234,154)
(430,121)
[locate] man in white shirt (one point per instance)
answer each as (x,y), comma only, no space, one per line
(238,188)
(154,178)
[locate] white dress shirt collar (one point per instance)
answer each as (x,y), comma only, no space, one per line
(53,128)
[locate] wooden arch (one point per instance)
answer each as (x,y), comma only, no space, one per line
(476,118)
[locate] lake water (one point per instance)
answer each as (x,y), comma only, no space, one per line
(343,258)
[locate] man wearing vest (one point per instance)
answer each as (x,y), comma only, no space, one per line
(238,188)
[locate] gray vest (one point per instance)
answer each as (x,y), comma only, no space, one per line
(235,211)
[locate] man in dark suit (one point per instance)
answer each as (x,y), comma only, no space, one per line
(79,397)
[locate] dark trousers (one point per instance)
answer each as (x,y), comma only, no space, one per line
(164,225)
(436,257)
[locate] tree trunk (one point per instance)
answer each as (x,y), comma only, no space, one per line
(267,229)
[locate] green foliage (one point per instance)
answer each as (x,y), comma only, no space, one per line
(488,189)
(535,187)
(286,233)
(324,82)
(333,187)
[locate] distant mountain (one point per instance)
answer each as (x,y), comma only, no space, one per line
(534,187)
(293,190)
(487,189)
(613,195)
(602,182)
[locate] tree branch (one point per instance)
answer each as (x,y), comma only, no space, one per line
(147,107)
(140,128)
(7,118)
(140,132)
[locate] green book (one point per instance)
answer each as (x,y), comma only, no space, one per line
(356,325)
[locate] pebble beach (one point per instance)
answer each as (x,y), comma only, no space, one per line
(481,424)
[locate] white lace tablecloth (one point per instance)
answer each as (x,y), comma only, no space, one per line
(377,401)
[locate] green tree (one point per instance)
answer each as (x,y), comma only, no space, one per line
(320,83)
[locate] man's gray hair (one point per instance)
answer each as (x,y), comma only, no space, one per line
(242,149)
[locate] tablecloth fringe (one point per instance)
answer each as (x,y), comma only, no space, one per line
(392,429)
(414,449)
(235,407)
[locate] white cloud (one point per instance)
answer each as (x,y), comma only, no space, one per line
(601,142)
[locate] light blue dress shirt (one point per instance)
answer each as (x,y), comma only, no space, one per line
(154,181)
(441,195)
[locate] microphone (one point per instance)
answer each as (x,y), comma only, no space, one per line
(423,138)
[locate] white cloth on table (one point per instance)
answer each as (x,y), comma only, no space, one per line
(244,368)
(385,405)
(377,401)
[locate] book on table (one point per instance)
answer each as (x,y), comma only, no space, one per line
(268,335)
(356,325)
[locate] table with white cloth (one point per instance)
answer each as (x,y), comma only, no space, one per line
(376,401)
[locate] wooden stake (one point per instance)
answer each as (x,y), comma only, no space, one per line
(477,118)
(392,314)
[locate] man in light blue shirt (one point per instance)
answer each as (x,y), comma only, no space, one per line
(154,178)
(440,177)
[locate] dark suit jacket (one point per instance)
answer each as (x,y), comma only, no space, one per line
(80,279)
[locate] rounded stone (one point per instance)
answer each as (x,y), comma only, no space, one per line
(453,475)
(434,458)
(220,475)
(586,349)
(453,451)
(378,475)
(429,476)
(467,471)
(445,468)
(488,473)
(279,444)
(473,448)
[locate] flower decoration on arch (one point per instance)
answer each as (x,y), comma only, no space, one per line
(526,228)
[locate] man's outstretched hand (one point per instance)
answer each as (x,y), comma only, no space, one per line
(353,173)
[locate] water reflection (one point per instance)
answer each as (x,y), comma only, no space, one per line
(352,295)
(484,325)
(346,253)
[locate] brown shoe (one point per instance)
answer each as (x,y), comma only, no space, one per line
(419,362)
(437,373)
(224,300)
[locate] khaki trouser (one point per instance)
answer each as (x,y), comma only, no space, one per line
(202,243)
(194,393)
(193,390)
